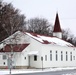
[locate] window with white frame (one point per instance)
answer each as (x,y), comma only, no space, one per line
(71,56)
(45,57)
(56,55)
(50,55)
(61,56)
(66,56)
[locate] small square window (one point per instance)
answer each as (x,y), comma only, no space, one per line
(4,63)
(25,58)
(4,57)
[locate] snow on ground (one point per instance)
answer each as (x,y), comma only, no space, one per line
(18,71)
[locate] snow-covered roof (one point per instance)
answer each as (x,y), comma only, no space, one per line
(49,40)
(43,39)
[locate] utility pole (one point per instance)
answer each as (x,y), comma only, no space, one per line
(42,62)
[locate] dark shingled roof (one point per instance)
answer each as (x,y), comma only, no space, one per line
(57,27)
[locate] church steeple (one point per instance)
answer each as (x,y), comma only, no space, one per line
(57,29)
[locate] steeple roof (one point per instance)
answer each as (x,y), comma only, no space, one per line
(57,27)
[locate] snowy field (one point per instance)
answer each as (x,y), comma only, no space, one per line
(18,71)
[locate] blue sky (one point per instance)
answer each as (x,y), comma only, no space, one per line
(47,9)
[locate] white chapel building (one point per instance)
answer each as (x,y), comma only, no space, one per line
(38,51)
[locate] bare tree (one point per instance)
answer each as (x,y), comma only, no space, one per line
(40,26)
(10,21)
(74,41)
(68,36)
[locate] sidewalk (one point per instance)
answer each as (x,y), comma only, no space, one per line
(18,71)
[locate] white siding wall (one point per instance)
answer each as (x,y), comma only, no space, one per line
(37,46)
(21,58)
(46,51)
